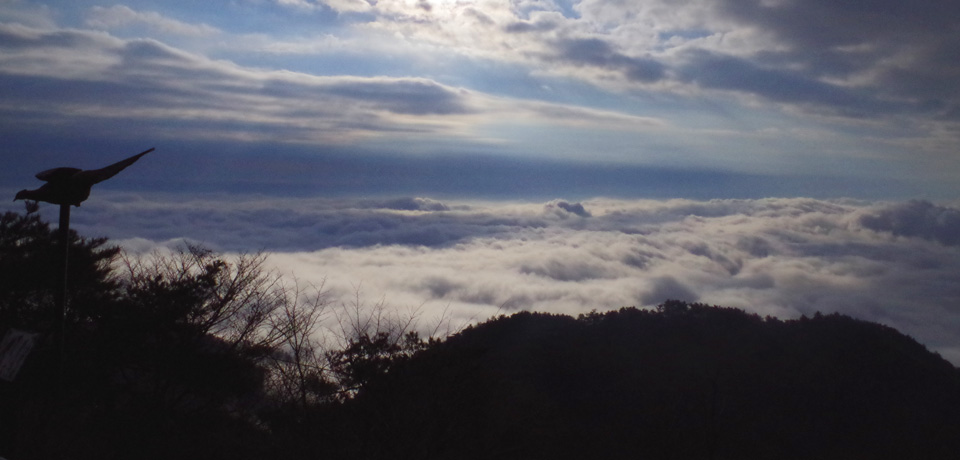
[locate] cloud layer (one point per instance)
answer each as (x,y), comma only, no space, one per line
(851,57)
(895,263)
(94,82)
(843,88)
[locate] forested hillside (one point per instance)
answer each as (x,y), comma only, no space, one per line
(684,381)
(193,355)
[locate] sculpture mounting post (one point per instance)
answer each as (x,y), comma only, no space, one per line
(60,318)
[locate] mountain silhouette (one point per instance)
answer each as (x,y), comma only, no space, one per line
(686,381)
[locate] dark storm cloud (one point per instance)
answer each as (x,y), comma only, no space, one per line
(407,204)
(541,24)
(567,269)
(909,47)
(857,58)
(411,97)
(710,70)
(572,208)
(917,219)
(599,53)
(826,23)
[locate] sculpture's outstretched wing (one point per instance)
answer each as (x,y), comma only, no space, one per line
(57,174)
(94,176)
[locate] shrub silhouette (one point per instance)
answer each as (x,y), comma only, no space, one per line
(180,355)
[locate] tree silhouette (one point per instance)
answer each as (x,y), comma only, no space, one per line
(157,345)
(28,254)
(189,354)
(181,353)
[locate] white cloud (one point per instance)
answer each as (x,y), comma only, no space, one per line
(120,16)
(773,257)
(781,257)
(31,15)
(348,5)
(127,80)
(312,45)
(657,67)
(823,61)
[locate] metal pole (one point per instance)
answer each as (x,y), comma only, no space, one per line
(61,313)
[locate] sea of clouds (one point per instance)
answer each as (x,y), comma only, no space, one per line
(893,263)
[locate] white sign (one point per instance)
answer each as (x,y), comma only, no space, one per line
(14,349)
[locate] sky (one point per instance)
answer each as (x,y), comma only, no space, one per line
(781,156)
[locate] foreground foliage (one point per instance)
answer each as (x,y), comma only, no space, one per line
(191,355)
(170,355)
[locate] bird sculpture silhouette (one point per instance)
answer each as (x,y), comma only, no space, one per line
(72,185)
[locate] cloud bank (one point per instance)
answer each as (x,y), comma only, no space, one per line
(894,263)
